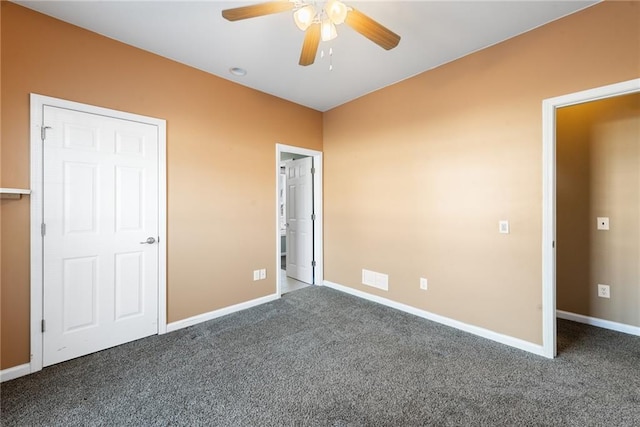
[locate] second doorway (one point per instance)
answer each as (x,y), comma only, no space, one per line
(297,218)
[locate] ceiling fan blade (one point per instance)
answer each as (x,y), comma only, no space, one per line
(372,30)
(256,10)
(310,45)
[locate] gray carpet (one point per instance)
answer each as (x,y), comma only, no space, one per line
(318,357)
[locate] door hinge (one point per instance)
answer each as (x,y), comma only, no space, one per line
(313,217)
(43,229)
(313,170)
(313,263)
(43,325)
(43,132)
(553,244)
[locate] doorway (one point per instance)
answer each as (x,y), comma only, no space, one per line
(549,191)
(98,224)
(598,163)
(299,218)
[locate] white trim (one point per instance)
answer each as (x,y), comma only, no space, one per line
(548,231)
(36,247)
(318,233)
(549,107)
(37,104)
(15,372)
(190,321)
(475,330)
(162,227)
(600,323)
(15,191)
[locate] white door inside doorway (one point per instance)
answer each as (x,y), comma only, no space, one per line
(299,213)
(100,207)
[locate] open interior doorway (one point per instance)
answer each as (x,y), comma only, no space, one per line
(299,218)
(550,108)
(598,215)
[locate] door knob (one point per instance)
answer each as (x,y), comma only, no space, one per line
(150,241)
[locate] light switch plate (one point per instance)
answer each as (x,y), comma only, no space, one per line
(503,226)
(603,223)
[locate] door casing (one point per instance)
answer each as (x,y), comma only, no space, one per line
(318,246)
(549,106)
(37,104)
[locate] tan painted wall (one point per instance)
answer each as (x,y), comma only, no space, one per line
(417,175)
(598,158)
(221,148)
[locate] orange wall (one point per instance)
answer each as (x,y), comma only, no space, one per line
(220,161)
(417,175)
(598,174)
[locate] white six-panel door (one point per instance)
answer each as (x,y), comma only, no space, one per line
(300,226)
(100,202)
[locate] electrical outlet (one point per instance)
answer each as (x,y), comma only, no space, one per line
(423,284)
(503,226)
(256,275)
(263,273)
(604,291)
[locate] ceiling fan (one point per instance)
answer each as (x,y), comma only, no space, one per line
(319,23)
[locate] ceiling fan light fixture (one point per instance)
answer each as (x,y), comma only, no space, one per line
(336,11)
(318,20)
(328,30)
(304,16)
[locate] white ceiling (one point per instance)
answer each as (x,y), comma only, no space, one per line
(268,47)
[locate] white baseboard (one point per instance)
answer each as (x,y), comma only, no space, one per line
(15,372)
(475,330)
(601,323)
(190,321)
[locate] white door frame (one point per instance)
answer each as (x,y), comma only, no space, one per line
(318,245)
(549,107)
(38,102)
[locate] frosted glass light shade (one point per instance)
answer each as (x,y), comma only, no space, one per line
(328,30)
(304,16)
(336,11)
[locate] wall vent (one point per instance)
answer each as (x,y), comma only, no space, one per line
(376,280)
